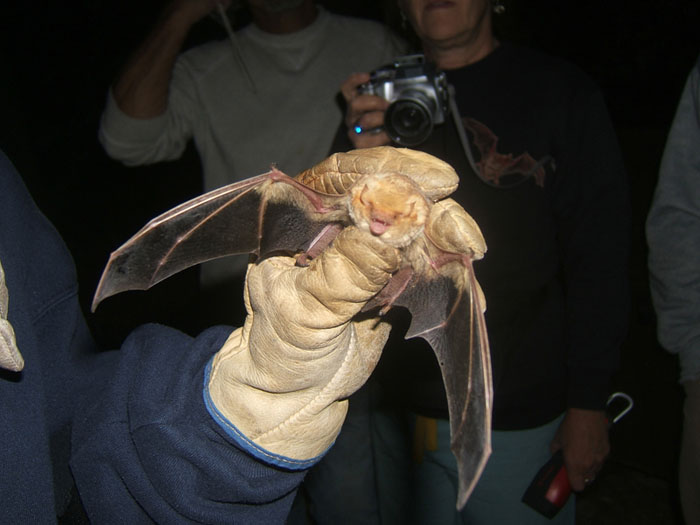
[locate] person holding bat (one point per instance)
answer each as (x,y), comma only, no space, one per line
(220,428)
(540,171)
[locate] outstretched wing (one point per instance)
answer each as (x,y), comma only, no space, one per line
(250,216)
(446,310)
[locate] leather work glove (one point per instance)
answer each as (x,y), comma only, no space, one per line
(280,383)
(10,356)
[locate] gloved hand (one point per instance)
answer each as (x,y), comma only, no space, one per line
(282,380)
(10,356)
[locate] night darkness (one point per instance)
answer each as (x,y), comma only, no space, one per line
(60,57)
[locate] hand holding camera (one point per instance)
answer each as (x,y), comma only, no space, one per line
(398,103)
(364,113)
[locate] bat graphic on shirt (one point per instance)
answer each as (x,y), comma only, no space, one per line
(493,166)
(395,194)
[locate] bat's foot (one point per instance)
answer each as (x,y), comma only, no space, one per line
(387,296)
(303,259)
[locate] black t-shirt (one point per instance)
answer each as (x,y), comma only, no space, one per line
(550,198)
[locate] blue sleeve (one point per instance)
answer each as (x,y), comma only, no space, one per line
(37,404)
(142,446)
(146,448)
(673,234)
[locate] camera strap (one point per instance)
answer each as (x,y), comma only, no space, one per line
(463,139)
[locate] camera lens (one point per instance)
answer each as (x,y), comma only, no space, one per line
(409,121)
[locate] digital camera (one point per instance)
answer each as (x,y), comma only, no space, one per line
(418,94)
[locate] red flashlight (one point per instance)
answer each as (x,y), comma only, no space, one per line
(550,489)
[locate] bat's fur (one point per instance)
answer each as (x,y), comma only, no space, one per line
(390,206)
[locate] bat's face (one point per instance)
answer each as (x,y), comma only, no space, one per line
(390,206)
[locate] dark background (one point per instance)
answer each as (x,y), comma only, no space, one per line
(60,57)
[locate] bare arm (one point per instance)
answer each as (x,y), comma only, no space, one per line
(141,91)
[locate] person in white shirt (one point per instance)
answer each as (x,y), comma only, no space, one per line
(295,53)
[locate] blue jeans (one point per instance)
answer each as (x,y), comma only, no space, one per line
(425,492)
(370,476)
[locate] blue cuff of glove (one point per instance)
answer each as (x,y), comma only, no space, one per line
(244,443)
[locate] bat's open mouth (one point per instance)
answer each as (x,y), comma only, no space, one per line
(377,227)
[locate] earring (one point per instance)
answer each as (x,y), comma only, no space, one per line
(498,7)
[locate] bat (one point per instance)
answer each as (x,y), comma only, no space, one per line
(493,166)
(398,195)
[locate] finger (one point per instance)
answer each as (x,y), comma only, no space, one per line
(365,125)
(577,480)
(368,140)
(364,104)
(372,260)
(588,461)
(349,87)
(10,356)
(454,230)
(331,290)
(368,122)
(581,471)
(586,481)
